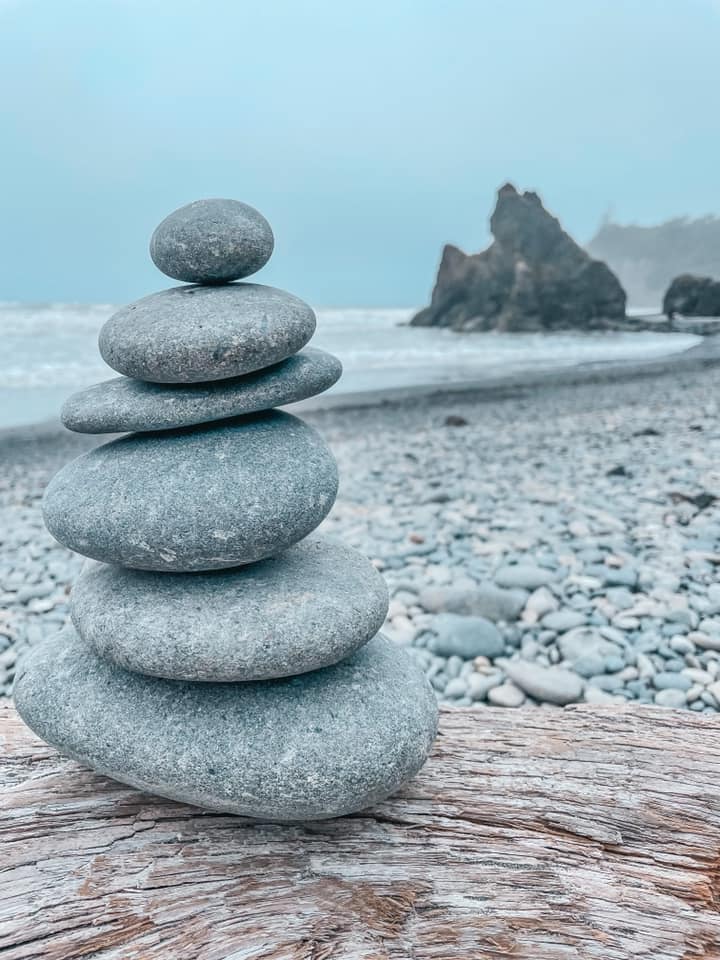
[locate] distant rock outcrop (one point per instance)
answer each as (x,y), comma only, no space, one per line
(692,296)
(647,258)
(532,277)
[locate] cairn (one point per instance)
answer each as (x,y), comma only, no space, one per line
(216,656)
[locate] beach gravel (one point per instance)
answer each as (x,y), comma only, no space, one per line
(627,563)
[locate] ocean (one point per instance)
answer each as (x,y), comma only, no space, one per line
(49,350)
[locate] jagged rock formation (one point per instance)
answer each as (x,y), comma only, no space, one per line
(646,259)
(532,277)
(692,296)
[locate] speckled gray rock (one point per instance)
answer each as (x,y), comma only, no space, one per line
(123,404)
(194,334)
(323,744)
(212,241)
(201,498)
(309,607)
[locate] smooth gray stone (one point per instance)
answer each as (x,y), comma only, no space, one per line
(484,600)
(201,498)
(212,241)
(546,684)
(123,405)
(313,605)
(323,744)
(195,334)
(466,637)
(524,575)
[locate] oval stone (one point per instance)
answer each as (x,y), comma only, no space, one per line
(202,498)
(311,606)
(212,241)
(195,334)
(123,405)
(324,744)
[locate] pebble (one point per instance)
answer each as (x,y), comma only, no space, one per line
(562,620)
(506,695)
(466,637)
(548,684)
(203,498)
(286,750)
(456,688)
(588,665)
(682,645)
(705,641)
(600,697)
(484,600)
(671,681)
(523,575)
(479,685)
(212,241)
(670,698)
(196,334)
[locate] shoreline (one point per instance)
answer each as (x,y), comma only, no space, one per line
(490,388)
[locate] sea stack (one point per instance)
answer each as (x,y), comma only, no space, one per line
(216,656)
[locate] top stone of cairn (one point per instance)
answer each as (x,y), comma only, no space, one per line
(212,241)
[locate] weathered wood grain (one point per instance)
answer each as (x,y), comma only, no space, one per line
(581,833)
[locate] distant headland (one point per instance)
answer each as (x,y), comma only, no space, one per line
(535,278)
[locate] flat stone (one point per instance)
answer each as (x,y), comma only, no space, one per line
(309,607)
(547,684)
(586,641)
(212,241)
(671,681)
(201,498)
(562,620)
(479,684)
(506,695)
(195,334)
(466,637)
(123,404)
(484,600)
(323,744)
(524,575)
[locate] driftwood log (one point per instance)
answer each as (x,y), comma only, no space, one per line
(581,833)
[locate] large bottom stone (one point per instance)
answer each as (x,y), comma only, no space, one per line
(309,607)
(324,744)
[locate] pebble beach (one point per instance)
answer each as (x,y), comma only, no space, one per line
(543,544)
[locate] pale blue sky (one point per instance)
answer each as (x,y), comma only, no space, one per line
(368,132)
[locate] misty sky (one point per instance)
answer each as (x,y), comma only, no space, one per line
(368,133)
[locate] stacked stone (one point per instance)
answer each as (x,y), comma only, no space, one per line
(216,656)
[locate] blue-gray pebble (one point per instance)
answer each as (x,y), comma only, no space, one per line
(212,241)
(309,607)
(195,334)
(324,744)
(201,498)
(123,405)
